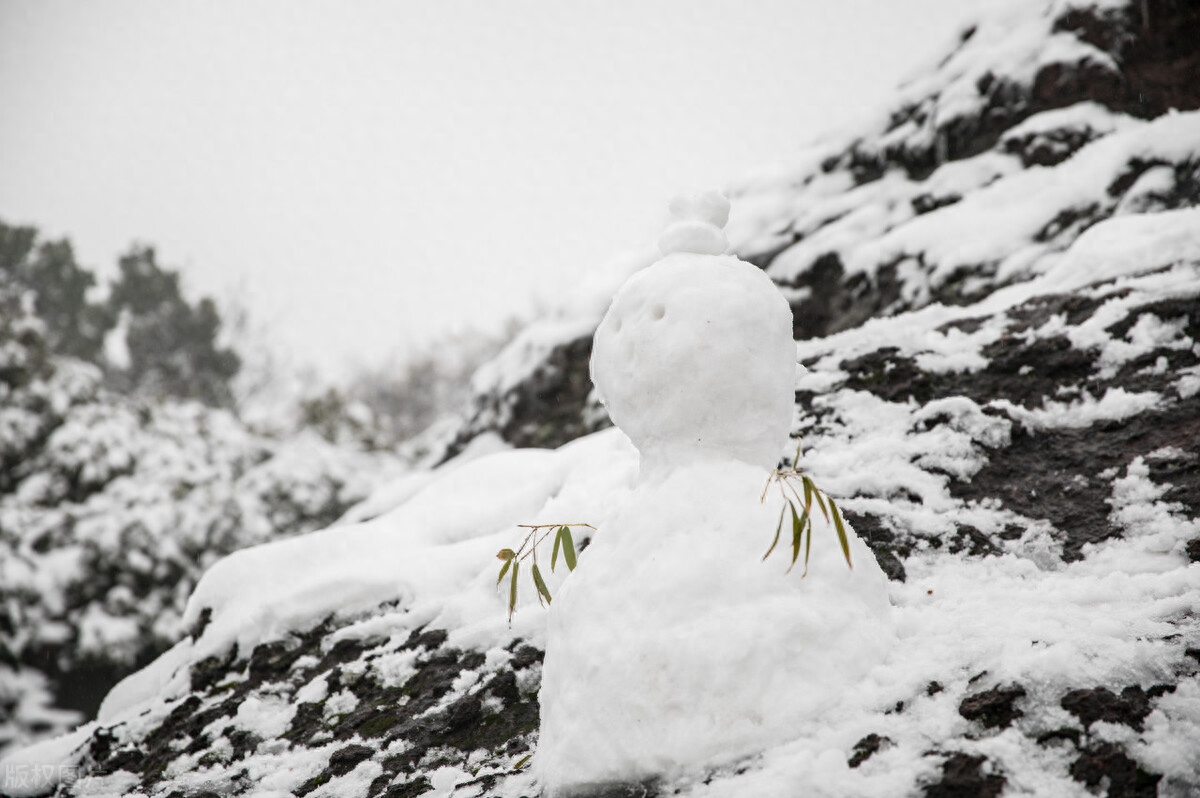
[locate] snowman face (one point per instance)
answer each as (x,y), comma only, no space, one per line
(696,352)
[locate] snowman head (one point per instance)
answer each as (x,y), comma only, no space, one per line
(695,358)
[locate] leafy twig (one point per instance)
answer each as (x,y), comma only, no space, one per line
(563,542)
(802,520)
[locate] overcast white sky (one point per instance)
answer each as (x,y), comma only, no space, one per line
(364,175)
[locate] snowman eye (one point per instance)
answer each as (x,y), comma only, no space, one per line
(658,312)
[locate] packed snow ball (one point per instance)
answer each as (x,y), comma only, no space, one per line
(695,355)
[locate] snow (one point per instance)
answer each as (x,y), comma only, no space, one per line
(431,552)
(674,650)
(995,223)
(710,207)
(675,576)
(1128,245)
(1087,115)
(696,354)
(674,647)
(693,236)
(38,768)
(1116,404)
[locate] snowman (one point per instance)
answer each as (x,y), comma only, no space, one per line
(674,648)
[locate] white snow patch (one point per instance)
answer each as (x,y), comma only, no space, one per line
(315,691)
(1115,405)
(266,716)
(37,769)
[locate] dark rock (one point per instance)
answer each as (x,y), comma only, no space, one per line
(527,656)
(865,748)
(924,203)
(1055,474)
(243,742)
(504,687)
(1100,703)
(888,549)
(889,375)
(1049,148)
(201,624)
(1154,42)
(962,777)
(343,651)
(546,410)
(968,538)
(346,759)
(409,789)
(1075,220)
(207,672)
(1056,735)
(644,789)
(463,714)
(1107,764)
(835,302)
(431,639)
(993,708)
(272,661)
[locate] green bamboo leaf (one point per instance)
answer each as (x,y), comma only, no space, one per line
(778,529)
(841,532)
(503,571)
(538,582)
(808,495)
(568,547)
(512,590)
(521,762)
(557,545)
(797,533)
(807,546)
(820,501)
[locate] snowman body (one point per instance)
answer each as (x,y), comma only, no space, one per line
(674,647)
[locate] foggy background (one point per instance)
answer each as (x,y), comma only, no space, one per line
(364,178)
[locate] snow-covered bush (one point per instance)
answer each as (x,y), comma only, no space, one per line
(113,504)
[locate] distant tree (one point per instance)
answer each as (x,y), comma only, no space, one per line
(74,326)
(342,420)
(383,406)
(172,344)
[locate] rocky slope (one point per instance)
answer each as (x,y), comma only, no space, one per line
(996,289)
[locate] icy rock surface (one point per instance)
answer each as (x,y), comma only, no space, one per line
(675,647)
